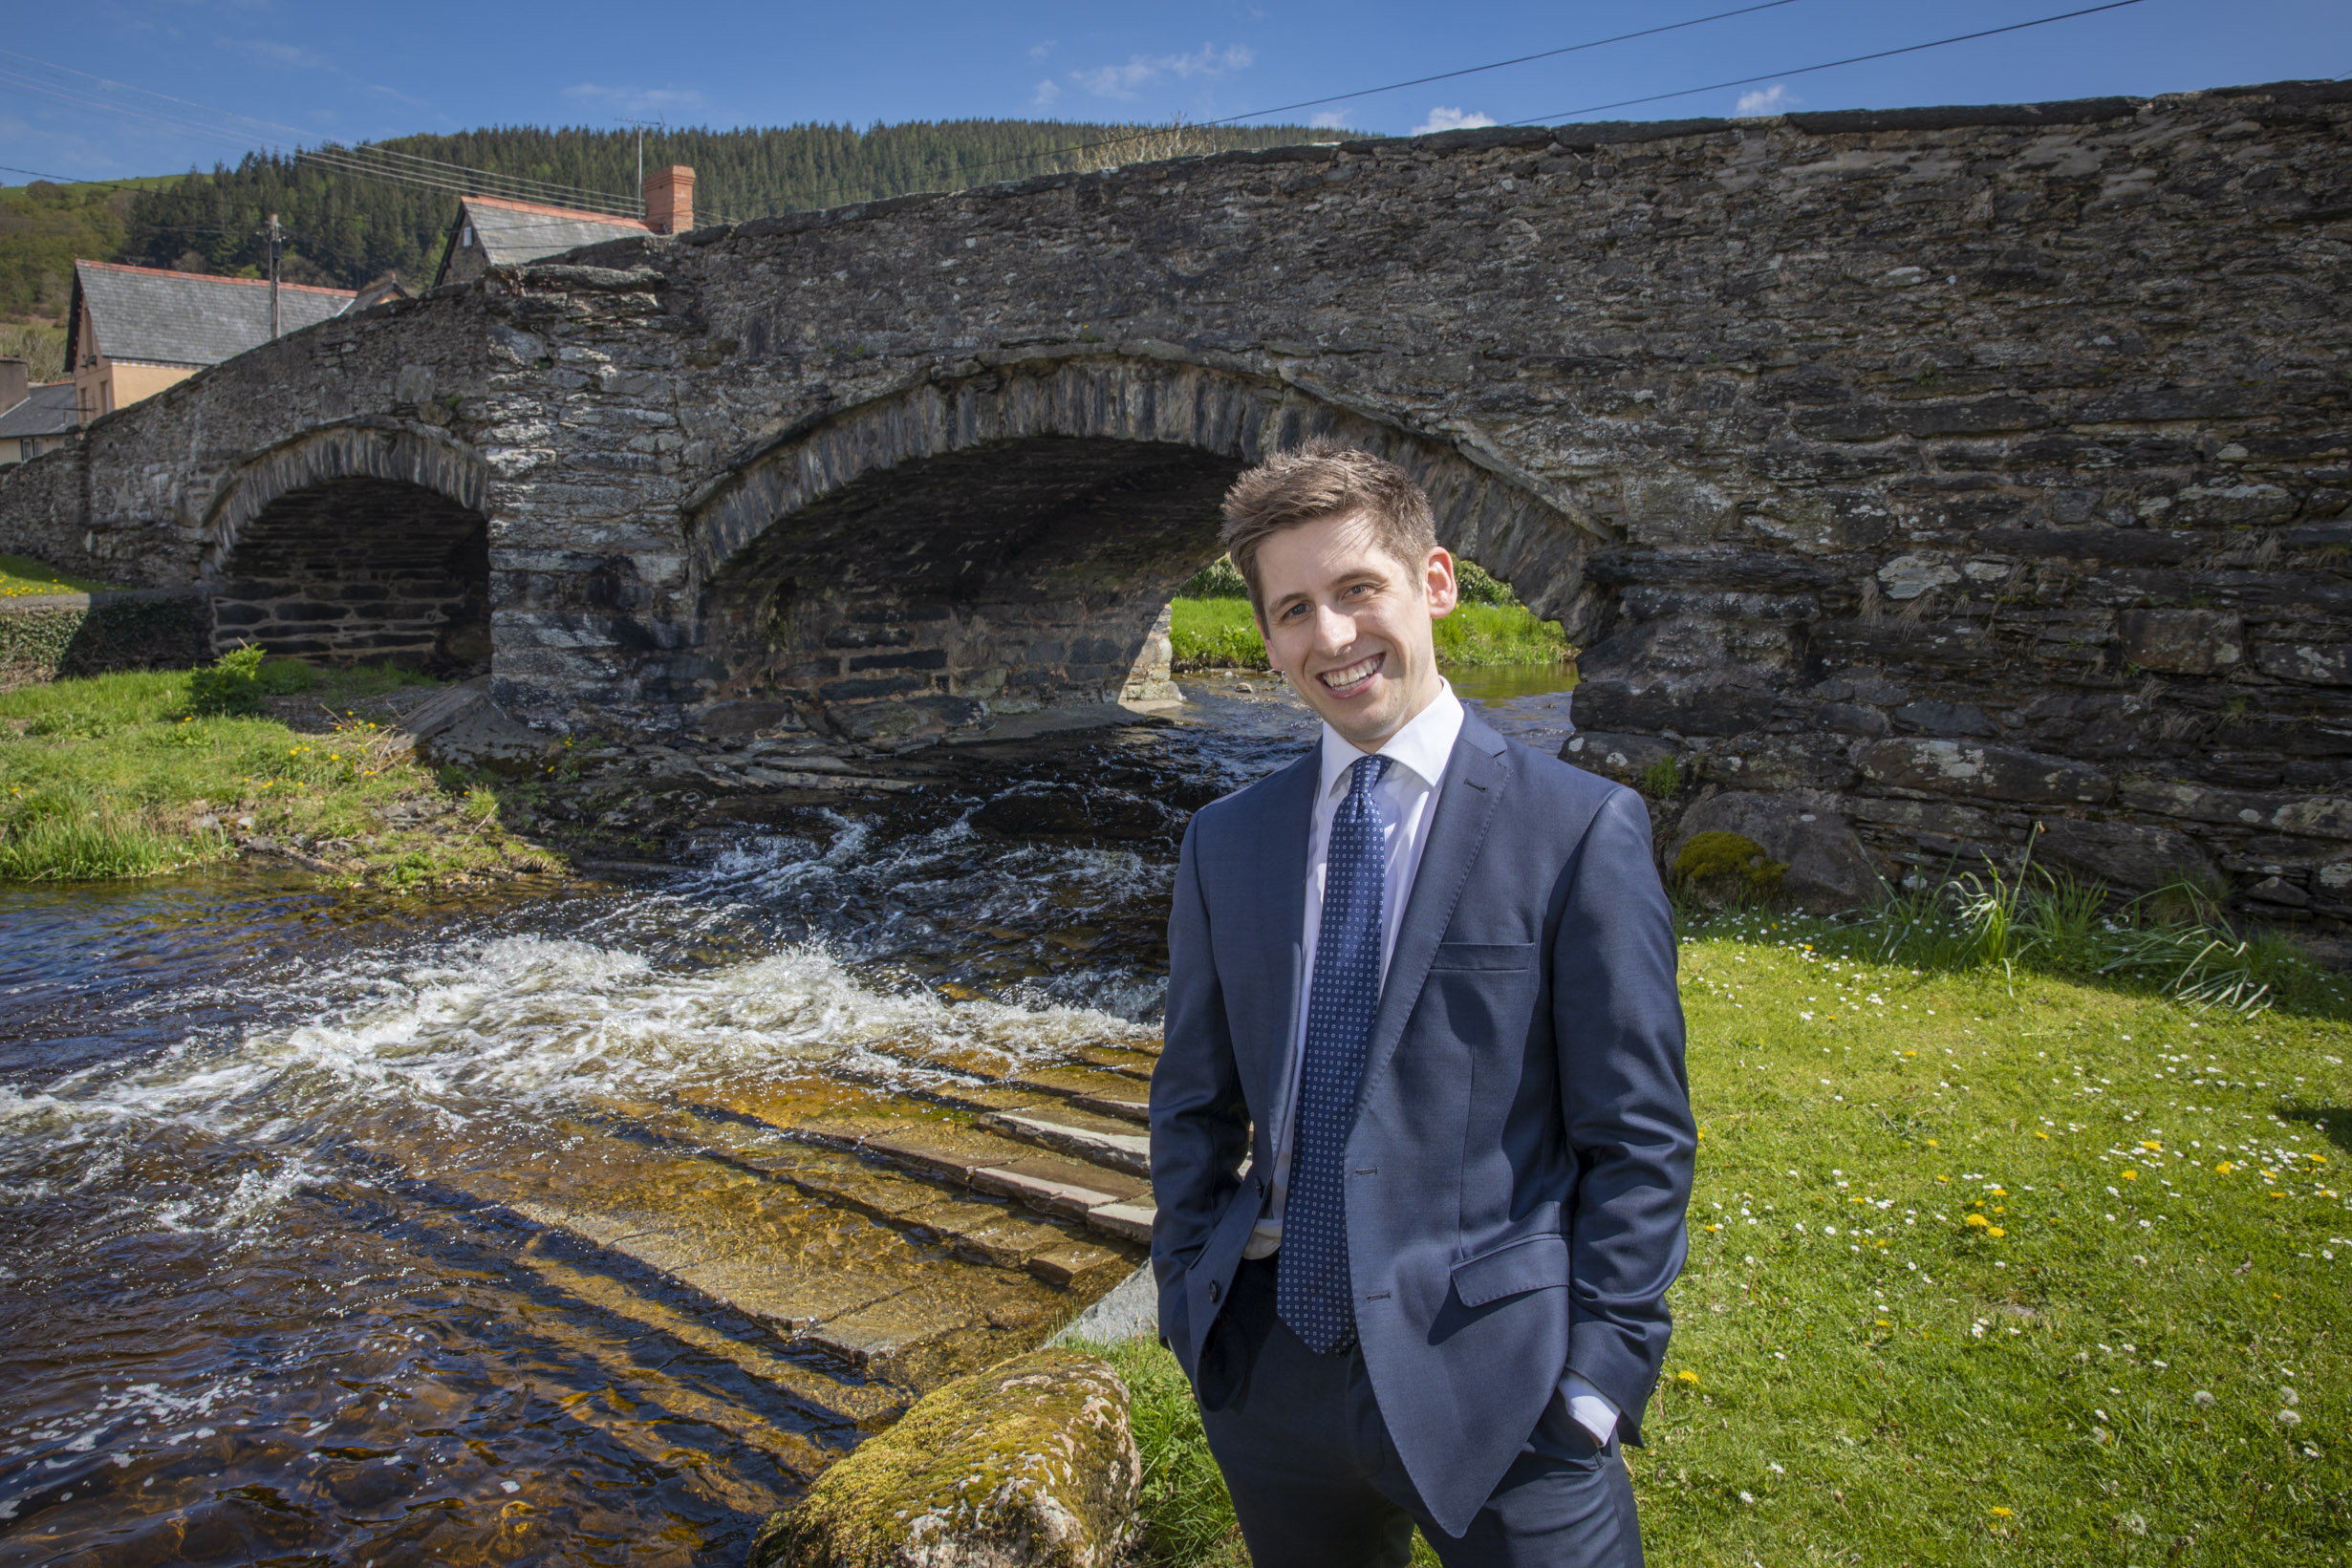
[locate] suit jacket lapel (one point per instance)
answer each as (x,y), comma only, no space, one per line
(1476,776)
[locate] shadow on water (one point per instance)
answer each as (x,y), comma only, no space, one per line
(277,1278)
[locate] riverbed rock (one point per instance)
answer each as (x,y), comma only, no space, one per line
(1027,1465)
(1827,867)
(462,727)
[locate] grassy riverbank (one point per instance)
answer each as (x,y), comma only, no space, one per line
(1221,634)
(1213,627)
(22,577)
(135,774)
(1989,1264)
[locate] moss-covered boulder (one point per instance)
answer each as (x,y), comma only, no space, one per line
(1027,1465)
(1727,869)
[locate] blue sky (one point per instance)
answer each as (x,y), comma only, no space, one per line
(307,72)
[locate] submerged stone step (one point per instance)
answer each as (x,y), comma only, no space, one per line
(1112,1142)
(756,1246)
(1107,1090)
(1093,1088)
(886,1333)
(852,1405)
(1119,1059)
(1127,1221)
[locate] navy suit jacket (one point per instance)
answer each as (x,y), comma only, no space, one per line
(1520,1159)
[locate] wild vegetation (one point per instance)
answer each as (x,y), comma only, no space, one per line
(43,227)
(139,773)
(1213,627)
(1999,1254)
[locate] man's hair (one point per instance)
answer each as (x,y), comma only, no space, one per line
(1323,479)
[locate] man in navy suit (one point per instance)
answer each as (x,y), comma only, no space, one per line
(1421,1139)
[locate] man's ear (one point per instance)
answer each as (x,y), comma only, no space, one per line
(1444,591)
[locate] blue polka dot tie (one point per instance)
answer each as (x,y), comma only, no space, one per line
(1311,1290)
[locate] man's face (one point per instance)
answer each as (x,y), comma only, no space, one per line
(1348,624)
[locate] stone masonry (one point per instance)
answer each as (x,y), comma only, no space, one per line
(1942,471)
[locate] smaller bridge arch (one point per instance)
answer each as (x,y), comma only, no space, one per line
(1007,541)
(364,542)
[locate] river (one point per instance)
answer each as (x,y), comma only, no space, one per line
(563,1224)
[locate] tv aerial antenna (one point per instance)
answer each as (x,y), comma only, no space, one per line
(641,124)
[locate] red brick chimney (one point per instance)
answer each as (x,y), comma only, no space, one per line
(669,200)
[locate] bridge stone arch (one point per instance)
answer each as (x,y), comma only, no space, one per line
(365,542)
(956,550)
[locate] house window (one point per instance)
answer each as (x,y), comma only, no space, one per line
(465,235)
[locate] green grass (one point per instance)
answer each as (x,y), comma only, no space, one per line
(1969,1240)
(21,577)
(1215,635)
(113,776)
(1221,634)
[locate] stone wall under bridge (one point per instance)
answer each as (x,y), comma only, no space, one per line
(1926,474)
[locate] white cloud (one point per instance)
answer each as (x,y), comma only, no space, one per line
(637,100)
(1122,81)
(1329,119)
(1039,50)
(1441,119)
(1771,101)
(1046,93)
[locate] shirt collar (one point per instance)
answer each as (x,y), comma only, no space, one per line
(1422,747)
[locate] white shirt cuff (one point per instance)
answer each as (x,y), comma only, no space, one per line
(1591,1408)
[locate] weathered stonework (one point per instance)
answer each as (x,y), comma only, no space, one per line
(1967,469)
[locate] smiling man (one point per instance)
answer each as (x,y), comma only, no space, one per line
(1422,1140)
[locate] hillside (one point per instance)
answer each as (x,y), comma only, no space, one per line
(345,229)
(43,227)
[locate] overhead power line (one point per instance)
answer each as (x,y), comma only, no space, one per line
(1826,65)
(164,111)
(1129,137)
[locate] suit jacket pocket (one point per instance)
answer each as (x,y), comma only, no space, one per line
(1484,955)
(1537,1263)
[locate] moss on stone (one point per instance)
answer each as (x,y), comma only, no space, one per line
(1027,1465)
(1728,869)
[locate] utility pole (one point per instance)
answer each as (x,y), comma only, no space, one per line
(276,246)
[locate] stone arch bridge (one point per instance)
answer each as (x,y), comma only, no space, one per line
(1939,471)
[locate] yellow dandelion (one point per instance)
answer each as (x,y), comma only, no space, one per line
(1976,1222)
(2041,1135)
(1995,1230)
(2003,1512)
(1882,1323)
(1686,1375)
(2131,1175)
(2150,1146)
(2224,1169)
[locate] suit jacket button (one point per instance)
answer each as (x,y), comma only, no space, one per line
(1216,1292)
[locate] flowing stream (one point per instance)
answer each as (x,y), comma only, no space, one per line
(578,1221)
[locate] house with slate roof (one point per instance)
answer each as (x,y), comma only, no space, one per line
(36,425)
(493,231)
(134,331)
(35,416)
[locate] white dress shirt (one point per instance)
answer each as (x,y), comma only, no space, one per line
(1408,798)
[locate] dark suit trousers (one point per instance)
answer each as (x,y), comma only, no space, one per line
(1317,1483)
